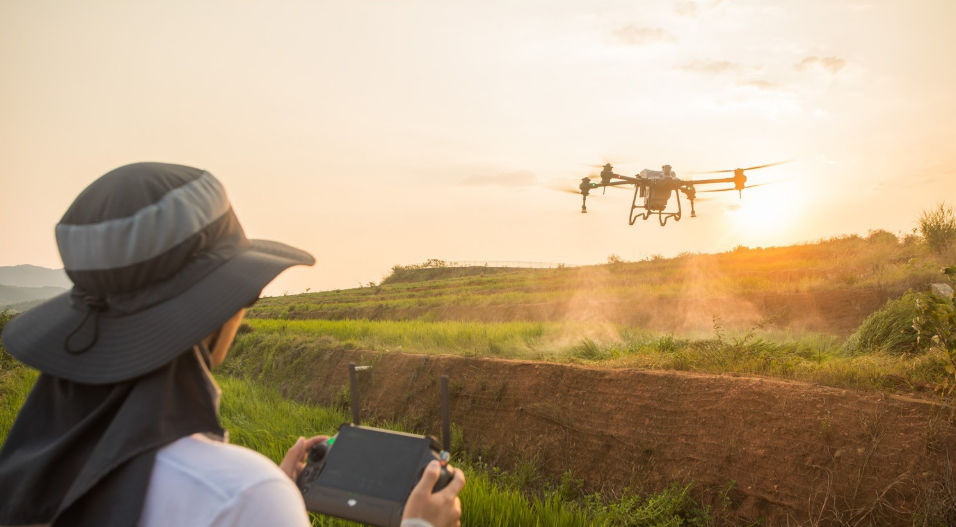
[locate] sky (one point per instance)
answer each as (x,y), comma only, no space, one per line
(380,133)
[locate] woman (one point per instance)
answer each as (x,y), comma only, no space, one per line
(122,425)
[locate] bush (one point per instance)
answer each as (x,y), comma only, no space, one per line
(938,227)
(882,236)
(890,328)
(6,360)
(936,327)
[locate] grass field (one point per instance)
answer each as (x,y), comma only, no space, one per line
(813,358)
(880,261)
(415,310)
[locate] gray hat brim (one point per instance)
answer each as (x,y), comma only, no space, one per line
(131,345)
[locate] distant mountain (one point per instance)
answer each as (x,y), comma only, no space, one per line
(34,276)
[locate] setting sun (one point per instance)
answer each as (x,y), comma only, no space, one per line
(767,209)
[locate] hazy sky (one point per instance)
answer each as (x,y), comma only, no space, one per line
(382,133)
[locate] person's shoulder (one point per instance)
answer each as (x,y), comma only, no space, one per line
(224,468)
(198,481)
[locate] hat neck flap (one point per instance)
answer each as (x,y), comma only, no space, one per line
(82,454)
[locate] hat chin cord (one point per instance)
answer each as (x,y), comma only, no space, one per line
(94,306)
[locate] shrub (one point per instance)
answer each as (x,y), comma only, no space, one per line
(6,360)
(881,236)
(936,326)
(938,227)
(890,328)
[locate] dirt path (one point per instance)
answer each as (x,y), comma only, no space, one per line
(798,453)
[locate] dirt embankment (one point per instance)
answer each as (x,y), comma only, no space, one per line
(799,454)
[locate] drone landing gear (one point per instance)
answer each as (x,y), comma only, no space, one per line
(584,205)
(662,216)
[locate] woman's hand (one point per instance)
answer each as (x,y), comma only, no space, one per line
(442,508)
(294,459)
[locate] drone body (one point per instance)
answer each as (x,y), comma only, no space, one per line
(654,188)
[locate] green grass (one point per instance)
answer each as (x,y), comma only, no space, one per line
(888,329)
(270,350)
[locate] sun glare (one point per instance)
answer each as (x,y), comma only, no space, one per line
(766,210)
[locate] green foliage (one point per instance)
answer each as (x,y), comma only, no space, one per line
(889,329)
(672,507)
(281,352)
(6,360)
(587,349)
(936,326)
(938,227)
(15,383)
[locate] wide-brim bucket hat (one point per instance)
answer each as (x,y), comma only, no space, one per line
(158,261)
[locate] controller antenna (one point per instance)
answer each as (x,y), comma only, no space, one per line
(355,394)
(445,420)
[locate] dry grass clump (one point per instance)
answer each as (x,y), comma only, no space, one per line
(888,329)
(938,228)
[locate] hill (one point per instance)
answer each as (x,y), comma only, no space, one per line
(828,287)
(34,276)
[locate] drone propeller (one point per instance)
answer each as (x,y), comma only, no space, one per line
(729,189)
(568,190)
(749,168)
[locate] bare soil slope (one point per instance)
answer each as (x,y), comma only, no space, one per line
(799,454)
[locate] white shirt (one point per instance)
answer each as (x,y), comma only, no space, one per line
(198,482)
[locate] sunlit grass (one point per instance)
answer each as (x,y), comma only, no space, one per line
(268,346)
(880,262)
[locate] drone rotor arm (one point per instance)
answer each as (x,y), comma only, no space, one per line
(627,180)
(709,181)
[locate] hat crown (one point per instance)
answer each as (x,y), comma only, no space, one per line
(140,224)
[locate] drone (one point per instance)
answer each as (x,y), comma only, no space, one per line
(655,187)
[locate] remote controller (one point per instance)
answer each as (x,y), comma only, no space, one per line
(365,474)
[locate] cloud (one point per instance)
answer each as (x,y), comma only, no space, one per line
(686,9)
(761,85)
(831,64)
(520,178)
(692,9)
(640,36)
(711,67)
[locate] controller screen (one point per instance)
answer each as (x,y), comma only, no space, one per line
(372,463)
